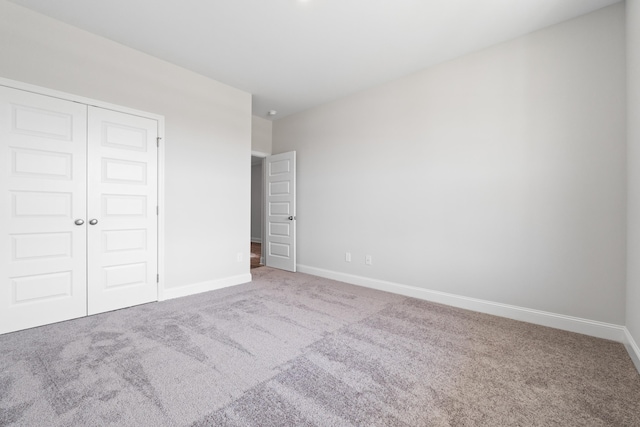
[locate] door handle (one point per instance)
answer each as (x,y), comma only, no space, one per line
(291,218)
(93,221)
(78,221)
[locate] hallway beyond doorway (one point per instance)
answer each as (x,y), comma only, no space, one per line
(256,250)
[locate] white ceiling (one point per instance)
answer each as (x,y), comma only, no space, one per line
(292,54)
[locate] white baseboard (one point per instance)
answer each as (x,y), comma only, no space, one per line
(559,321)
(632,348)
(209,285)
(256,240)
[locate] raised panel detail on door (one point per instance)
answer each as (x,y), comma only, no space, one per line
(279,167)
(43,122)
(42,287)
(279,188)
(123,199)
(117,276)
(279,250)
(279,208)
(124,137)
(280,229)
(124,240)
(40,164)
(42,204)
(41,245)
(120,205)
(42,191)
(125,172)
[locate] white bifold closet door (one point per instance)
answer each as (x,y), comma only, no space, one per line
(78,222)
(121,210)
(43,186)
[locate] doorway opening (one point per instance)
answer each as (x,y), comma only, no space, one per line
(257,218)
(273,209)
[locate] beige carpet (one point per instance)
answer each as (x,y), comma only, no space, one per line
(297,350)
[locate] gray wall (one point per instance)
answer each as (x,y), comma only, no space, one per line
(208,133)
(499,175)
(261,135)
(633,138)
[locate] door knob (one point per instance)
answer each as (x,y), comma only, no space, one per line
(93,221)
(79,221)
(291,218)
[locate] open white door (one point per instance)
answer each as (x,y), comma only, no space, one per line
(280,201)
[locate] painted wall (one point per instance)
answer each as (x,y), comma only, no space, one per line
(208,133)
(256,203)
(499,175)
(261,135)
(633,141)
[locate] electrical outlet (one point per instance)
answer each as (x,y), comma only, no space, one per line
(239,257)
(347,257)
(367,260)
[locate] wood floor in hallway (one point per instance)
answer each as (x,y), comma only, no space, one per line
(256,250)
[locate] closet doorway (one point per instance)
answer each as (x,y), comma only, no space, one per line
(79,211)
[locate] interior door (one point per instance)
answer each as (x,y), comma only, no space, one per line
(42,210)
(122,210)
(280,210)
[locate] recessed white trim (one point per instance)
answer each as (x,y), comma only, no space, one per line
(256,240)
(632,348)
(259,154)
(559,321)
(209,285)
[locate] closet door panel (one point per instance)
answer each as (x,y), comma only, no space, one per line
(42,194)
(122,243)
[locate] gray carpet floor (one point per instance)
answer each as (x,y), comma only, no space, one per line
(298,350)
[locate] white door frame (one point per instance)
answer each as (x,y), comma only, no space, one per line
(161,153)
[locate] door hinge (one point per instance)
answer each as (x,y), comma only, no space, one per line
(157,278)
(158,141)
